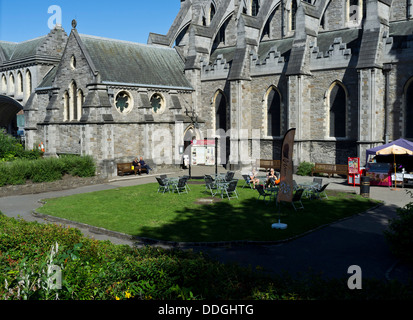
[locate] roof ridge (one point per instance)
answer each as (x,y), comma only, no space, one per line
(125,41)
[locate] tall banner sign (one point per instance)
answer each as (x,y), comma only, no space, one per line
(286,188)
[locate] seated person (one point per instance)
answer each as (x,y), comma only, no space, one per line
(144,165)
(252,177)
(137,166)
(271,179)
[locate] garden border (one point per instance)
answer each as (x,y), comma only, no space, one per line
(175,244)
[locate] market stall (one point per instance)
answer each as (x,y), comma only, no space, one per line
(396,156)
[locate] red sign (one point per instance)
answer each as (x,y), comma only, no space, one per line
(204,142)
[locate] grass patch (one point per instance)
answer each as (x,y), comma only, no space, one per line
(141,211)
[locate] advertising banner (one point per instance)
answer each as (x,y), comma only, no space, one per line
(285,192)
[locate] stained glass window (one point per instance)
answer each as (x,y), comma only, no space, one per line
(157,103)
(123,102)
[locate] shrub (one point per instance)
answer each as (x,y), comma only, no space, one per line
(400,233)
(45,170)
(304,169)
(9,147)
(78,166)
(96,270)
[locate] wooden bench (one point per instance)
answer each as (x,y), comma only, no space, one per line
(268,164)
(330,169)
(126,168)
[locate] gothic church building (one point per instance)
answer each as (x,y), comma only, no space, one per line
(339,71)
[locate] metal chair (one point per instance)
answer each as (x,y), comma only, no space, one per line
(180,186)
(231,188)
(163,176)
(162,185)
(262,193)
(321,192)
(210,185)
(297,199)
(186,182)
(247,181)
(319,181)
(229,176)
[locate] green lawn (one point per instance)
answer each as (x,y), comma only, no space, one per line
(141,211)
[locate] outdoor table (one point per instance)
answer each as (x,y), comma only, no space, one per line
(171,182)
(308,188)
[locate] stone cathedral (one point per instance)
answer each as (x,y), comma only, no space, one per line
(245,71)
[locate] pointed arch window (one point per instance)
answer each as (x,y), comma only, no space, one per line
(11,84)
(66,106)
(3,84)
(255,7)
(408,119)
(73,111)
(28,85)
(337,99)
(212,12)
(220,111)
(80,100)
(293,14)
(20,87)
(274,113)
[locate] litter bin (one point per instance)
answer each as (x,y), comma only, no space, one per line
(365,186)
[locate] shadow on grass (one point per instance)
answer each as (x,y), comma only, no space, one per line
(251,220)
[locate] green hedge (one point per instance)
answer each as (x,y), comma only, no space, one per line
(45,170)
(100,270)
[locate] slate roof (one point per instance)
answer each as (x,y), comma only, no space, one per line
(351,37)
(7,48)
(47,81)
(131,63)
(22,50)
(283,47)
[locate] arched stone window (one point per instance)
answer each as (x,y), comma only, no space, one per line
(73,101)
(27,85)
(408,118)
(293,13)
(255,7)
(220,111)
(20,87)
(273,112)
(80,100)
(66,106)
(11,84)
(3,84)
(337,101)
(221,126)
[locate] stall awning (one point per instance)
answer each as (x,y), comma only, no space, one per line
(400,142)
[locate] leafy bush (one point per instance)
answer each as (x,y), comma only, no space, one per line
(100,270)
(304,169)
(400,233)
(11,149)
(45,170)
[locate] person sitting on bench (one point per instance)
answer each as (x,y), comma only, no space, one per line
(136,165)
(144,165)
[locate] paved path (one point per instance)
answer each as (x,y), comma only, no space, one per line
(330,251)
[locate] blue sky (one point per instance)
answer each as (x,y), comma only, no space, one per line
(128,20)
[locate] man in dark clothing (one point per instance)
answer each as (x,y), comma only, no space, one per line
(144,165)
